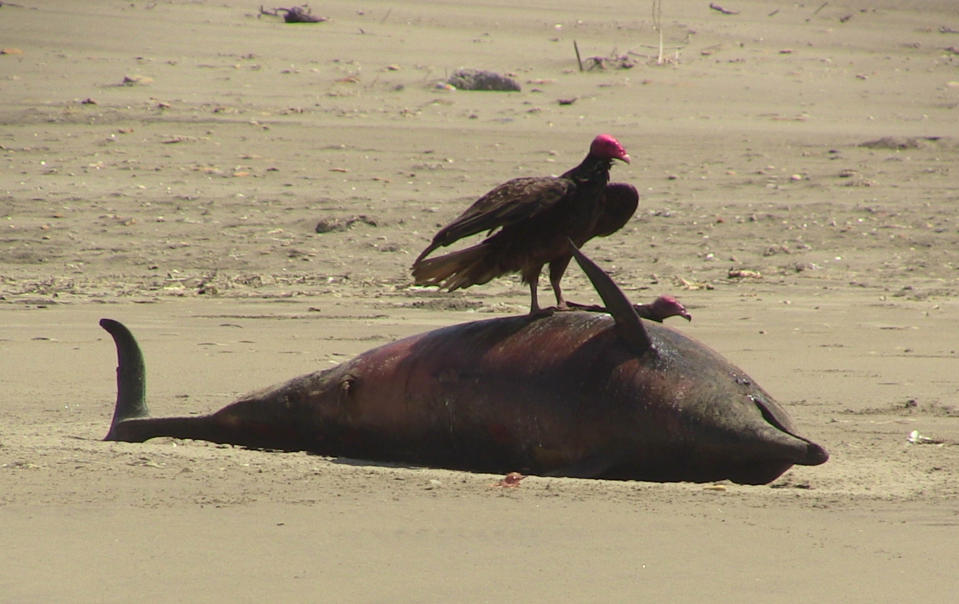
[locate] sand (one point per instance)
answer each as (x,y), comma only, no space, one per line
(166,164)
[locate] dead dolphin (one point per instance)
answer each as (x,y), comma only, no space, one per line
(570,394)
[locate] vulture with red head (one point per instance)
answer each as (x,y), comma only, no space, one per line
(529,222)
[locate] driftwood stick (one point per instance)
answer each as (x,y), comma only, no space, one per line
(579,59)
(722,10)
(657,10)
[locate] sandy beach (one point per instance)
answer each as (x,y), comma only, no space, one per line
(167,164)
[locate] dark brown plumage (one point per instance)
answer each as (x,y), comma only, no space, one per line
(529,222)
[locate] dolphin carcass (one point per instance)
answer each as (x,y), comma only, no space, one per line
(569,394)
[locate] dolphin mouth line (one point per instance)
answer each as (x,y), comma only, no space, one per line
(815,454)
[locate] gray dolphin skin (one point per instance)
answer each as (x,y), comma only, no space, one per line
(568,394)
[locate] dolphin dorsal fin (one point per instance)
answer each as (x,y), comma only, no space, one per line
(628,324)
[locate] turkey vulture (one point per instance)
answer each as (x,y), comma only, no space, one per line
(529,222)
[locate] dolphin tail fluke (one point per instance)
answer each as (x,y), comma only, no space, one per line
(131,377)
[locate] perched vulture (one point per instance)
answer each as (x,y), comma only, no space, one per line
(529,222)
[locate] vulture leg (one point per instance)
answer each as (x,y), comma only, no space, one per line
(532,277)
(533,302)
(557,268)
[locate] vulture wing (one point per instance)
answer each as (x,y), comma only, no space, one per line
(616,208)
(511,202)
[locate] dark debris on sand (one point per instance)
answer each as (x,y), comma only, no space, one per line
(478,79)
(296,14)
